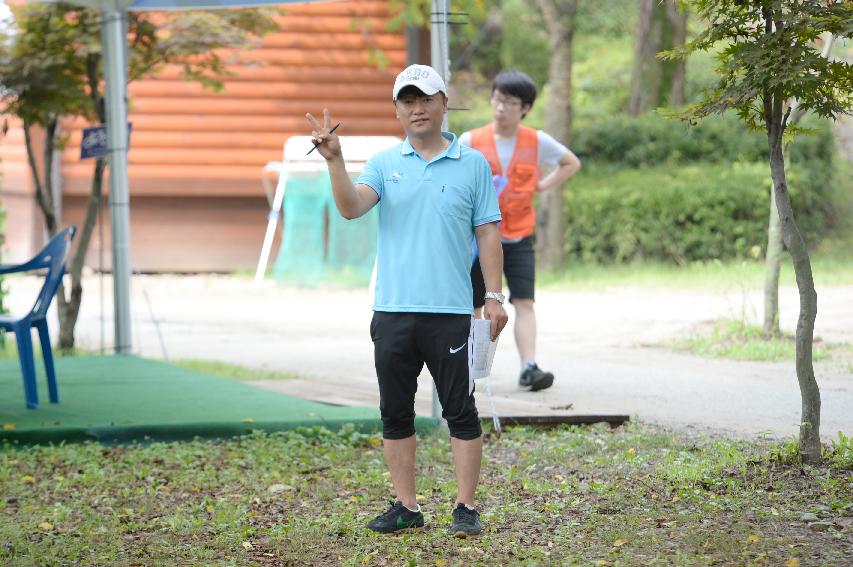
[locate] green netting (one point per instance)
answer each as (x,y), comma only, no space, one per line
(318,245)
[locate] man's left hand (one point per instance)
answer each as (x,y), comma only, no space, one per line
(494,312)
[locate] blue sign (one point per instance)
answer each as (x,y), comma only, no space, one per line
(94,143)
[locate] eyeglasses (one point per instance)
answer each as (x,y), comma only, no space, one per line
(506,102)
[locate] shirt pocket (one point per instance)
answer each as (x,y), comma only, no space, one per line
(521,181)
(518,197)
(455,201)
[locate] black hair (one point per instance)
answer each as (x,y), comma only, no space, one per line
(516,83)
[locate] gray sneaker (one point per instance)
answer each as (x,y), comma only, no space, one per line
(466,522)
(535,379)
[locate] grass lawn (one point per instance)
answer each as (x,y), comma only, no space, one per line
(832,267)
(636,495)
(734,339)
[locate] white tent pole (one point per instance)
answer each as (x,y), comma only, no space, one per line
(114,39)
(272,222)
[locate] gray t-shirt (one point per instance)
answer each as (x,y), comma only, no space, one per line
(550,150)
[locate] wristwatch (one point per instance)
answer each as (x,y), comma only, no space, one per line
(497,296)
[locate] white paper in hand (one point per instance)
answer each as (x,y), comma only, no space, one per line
(481,351)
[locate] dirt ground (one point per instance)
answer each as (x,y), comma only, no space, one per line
(599,344)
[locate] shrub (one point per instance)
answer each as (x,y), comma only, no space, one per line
(679,213)
(652,139)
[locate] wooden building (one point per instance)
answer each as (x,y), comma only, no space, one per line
(196,157)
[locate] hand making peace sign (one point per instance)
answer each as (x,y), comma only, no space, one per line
(327,141)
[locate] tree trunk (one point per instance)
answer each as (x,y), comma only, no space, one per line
(772,266)
(70,310)
(655,83)
(43,180)
(773,260)
(559,17)
(793,239)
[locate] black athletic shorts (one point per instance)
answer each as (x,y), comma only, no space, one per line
(402,344)
(519,269)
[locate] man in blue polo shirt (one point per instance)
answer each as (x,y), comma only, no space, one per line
(435,196)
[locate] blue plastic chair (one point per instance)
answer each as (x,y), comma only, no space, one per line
(53,258)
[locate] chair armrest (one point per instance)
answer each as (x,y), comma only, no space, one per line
(36,263)
(14,268)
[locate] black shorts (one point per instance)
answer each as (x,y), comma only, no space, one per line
(402,343)
(519,269)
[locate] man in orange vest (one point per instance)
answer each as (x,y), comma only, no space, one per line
(518,155)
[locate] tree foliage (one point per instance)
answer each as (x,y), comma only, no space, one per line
(51,67)
(47,58)
(786,63)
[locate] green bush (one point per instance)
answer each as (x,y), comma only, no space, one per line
(678,213)
(652,139)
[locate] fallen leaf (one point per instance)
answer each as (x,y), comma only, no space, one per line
(369,557)
(8,426)
(247,420)
(279,488)
(619,543)
(46,526)
(440,563)
(375,441)
(792,563)
(752,538)
(632,451)
(247,545)
(28,479)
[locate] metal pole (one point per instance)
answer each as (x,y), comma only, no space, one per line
(439,46)
(440,61)
(114,39)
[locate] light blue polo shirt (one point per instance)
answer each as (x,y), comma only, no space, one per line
(427,215)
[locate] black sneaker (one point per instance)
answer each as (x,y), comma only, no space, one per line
(466,522)
(398,517)
(535,379)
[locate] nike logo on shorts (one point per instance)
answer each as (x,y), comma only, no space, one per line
(455,350)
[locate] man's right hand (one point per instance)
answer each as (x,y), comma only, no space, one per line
(329,144)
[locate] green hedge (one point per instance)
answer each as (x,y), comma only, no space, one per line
(677,213)
(654,188)
(652,139)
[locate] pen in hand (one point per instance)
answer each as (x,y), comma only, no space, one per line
(316,144)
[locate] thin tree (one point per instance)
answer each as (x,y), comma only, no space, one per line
(51,69)
(767,57)
(773,256)
(559,18)
(661,25)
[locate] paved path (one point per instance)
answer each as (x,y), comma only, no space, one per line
(595,342)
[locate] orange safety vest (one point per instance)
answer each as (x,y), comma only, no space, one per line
(518,218)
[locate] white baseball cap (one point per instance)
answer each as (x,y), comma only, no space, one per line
(424,77)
